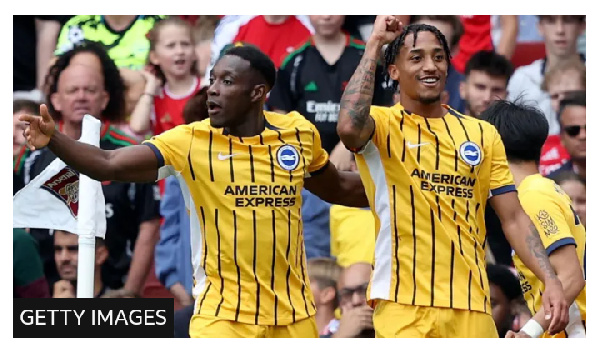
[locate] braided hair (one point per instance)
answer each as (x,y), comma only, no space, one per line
(393,49)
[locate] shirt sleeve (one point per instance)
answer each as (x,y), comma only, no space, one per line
(501,179)
(172,147)
(549,220)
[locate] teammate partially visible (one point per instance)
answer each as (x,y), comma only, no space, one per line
(429,172)
(524,130)
(241,172)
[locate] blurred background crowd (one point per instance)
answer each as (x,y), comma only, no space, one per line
(142,75)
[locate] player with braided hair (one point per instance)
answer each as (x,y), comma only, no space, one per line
(429,172)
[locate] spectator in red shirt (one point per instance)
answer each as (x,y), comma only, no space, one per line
(276,36)
(478,36)
(172,81)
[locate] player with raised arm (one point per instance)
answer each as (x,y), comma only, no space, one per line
(241,172)
(428,172)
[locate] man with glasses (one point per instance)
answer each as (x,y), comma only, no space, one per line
(571,117)
(357,316)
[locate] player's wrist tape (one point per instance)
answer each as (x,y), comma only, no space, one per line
(533,329)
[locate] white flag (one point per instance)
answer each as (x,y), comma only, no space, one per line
(52,199)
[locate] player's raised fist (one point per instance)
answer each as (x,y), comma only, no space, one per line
(40,129)
(386,29)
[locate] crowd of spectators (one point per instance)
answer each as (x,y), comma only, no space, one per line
(142,75)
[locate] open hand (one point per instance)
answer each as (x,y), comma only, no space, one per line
(40,129)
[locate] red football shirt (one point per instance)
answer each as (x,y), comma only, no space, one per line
(275,40)
(477,36)
(554,155)
(168,108)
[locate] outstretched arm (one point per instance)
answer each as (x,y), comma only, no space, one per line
(355,126)
(338,187)
(525,240)
(131,164)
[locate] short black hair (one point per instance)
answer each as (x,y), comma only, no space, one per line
(113,83)
(502,277)
(259,61)
(490,63)
(392,50)
(571,98)
(523,129)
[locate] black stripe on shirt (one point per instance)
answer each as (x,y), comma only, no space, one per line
(300,244)
(219,258)
(235,231)
(454,143)
(231,161)
(396,239)
(470,279)
(251,163)
(404,138)
(272,165)
(432,216)
(273,263)
(419,143)
(203,297)
(414,270)
(289,271)
(437,146)
(254,269)
(204,232)
(210,163)
(189,157)
(451,274)
(301,152)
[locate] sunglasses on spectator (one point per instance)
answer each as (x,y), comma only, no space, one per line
(573,130)
(347,293)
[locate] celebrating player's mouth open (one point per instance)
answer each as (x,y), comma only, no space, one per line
(430,250)
(239,291)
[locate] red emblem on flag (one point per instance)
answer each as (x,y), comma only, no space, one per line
(65,186)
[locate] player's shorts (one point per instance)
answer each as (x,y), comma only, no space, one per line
(202,326)
(393,320)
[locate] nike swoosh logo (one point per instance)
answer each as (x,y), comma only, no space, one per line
(412,146)
(223,157)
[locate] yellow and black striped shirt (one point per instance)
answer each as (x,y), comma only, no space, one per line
(428,181)
(244,199)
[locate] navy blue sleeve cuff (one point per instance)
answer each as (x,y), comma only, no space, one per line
(503,190)
(159,156)
(560,243)
(320,170)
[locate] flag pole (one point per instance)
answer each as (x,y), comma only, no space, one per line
(86,217)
